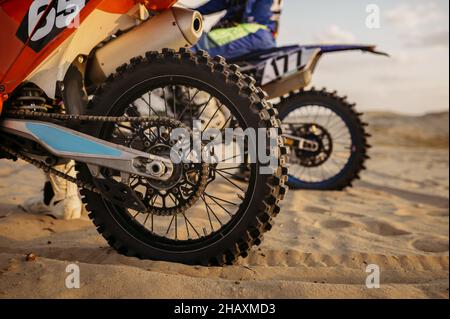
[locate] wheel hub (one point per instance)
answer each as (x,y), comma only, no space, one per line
(319,135)
(165,151)
(187,182)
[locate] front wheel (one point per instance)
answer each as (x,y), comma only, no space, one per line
(200,215)
(339,140)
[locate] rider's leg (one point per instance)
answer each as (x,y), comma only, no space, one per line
(59,198)
(236,41)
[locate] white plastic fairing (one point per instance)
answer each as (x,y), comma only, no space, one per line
(98,26)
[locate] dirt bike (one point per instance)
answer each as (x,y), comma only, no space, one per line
(326,135)
(77,82)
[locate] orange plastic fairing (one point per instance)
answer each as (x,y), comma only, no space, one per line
(3,97)
(158,5)
(17,57)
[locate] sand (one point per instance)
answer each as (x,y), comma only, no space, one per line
(396,217)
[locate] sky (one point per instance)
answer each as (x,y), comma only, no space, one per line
(414,80)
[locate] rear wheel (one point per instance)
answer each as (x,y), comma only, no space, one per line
(200,215)
(338,134)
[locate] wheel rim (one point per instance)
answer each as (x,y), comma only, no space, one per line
(214,215)
(307,167)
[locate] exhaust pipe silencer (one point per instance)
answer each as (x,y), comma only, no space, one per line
(173,29)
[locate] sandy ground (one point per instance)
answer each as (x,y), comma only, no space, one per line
(396,217)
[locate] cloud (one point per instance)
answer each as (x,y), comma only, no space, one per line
(439,38)
(419,26)
(334,34)
(411,16)
(411,81)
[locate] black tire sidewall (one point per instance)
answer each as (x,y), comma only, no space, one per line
(357,132)
(115,227)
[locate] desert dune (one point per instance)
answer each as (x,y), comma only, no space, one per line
(396,217)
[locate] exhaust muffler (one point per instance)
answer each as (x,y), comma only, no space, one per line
(173,29)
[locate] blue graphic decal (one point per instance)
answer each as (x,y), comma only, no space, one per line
(63,141)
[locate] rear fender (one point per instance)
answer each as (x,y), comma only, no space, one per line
(291,69)
(345,47)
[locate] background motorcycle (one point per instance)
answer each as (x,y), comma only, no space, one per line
(326,134)
(77,79)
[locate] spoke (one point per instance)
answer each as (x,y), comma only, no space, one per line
(154,135)
(210,209)
(227,168)
(190,224)
(303,168)
(317,115)
(235,156)
(226,123)
(231,215)
(212,117)
(165,101)
(322,172)
(225,172)
(174,199)
(341,154)
(329,118)
(209,216)
(309,175)
(170,225)
(231,182)
(174,101)
(187,227)
(344,129)
(190,103)
(336,164)
(341,135)
(338,122)
(152,220)
(176,227)
(146,218)
(204,106)
(150,108)
(222,200)
(341,143)
(326,172)
(183,111)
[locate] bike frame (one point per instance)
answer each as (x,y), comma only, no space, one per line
(42,38)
